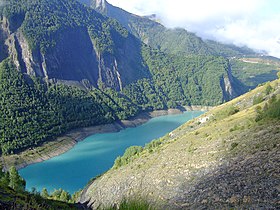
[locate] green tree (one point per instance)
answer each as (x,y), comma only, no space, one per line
(44,193)
(65,196)
(2,174)
(56,194)
(16,182)
(75,196)
(5,180)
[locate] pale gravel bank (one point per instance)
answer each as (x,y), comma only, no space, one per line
(66,142)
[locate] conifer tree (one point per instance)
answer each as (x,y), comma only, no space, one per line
(44,193)
(16,182)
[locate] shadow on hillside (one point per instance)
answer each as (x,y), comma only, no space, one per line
(245,182)
(262,78)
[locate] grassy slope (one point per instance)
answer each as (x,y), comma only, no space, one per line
(229,161)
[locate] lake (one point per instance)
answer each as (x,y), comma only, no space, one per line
(96,154)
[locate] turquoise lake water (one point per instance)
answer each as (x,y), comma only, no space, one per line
(96,154)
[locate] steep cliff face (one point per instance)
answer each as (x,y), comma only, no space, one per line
(76,55)
(223,159)
(66,41)
(3,37)
(100,5)
(231,86)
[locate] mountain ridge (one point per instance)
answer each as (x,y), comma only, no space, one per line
(159,37)
(61,50)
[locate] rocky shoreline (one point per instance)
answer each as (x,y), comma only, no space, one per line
(66,142)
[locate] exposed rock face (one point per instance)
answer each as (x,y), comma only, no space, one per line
(100,5)
(231,86)
(75,58)
(3,38)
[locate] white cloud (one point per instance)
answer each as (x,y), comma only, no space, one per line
(255,23)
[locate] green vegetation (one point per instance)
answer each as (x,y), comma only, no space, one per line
(257,99)
(61,195)
(179,81)
(153,144)
(270,111)
(135,151)
(16,182)
(268,89)
(127,156)
(33,112)
(14,196)
(254,71)
(12,179)
(132,204)
(231,149)
(43,20)
(226,112)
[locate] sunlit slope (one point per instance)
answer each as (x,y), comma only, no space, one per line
(229,160)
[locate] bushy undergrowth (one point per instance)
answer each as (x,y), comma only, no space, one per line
(129,153)
(135,204)
(134,151)
(226,112)
(271,110)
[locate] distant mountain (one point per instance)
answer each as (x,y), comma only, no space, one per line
(168,40)
(227,158)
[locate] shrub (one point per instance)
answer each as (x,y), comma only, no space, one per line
(234,128)
(233,146)
(132,204)
(257,99)
(268,89)
(127,156)
(271,110)
(232,110)
(153,144)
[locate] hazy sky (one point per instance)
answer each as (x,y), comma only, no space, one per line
(255,23)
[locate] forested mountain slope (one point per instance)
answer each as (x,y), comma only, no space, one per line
(33,111)
(64,40)
(179,41)
(59,41)
(65,66)
(227,158)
